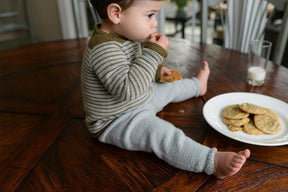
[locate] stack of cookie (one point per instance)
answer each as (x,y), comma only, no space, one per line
(251,119)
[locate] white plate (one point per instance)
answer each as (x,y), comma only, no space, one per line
(214,108)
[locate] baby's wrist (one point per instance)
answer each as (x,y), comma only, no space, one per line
(156,47)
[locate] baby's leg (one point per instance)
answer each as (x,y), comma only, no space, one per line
(174,92)
(203,76)
(144,131)
(229,163)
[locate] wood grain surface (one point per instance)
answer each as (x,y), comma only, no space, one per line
(45,146)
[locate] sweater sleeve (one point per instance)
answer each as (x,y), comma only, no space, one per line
(158,73)
(156,47)
(124,79)
(161,51)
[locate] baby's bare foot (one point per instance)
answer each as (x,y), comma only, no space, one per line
(203,76)
(229,163)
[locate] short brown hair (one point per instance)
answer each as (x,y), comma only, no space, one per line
(101,6)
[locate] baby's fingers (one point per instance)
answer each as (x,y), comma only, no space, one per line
(153,38)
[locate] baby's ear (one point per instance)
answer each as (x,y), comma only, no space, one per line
(113,12)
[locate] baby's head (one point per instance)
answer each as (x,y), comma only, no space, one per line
(101,6)
(132,19)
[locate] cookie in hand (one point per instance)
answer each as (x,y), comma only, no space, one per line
(175,75)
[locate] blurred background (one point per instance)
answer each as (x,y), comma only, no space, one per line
(25,22)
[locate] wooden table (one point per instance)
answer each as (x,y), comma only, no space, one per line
(45,146)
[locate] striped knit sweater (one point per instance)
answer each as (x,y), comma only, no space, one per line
(116,77)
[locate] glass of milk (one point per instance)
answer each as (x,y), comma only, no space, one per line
(259,52)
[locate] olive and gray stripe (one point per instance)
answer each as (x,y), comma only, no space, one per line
(116,78)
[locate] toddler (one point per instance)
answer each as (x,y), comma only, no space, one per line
(121,97)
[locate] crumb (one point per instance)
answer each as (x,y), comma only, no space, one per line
(181,111)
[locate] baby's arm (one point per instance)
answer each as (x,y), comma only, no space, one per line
(161,40)
(122,78)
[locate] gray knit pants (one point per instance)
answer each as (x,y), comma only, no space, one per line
(142,130)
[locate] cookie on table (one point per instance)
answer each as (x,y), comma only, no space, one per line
(236,122)
(251,129)
(267,123)
(234,112)
(252,108)
(272,113)
(234,128)
(174,76)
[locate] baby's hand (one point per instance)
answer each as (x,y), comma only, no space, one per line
(160,39)
(165,71)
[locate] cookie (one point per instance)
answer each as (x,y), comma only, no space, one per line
(272,113)
(267,123)
(234,112)
(236,122)
(252,109)
(250,128)
(175,75)
(259,120)
(234,128)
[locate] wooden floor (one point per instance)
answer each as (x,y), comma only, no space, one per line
(45,146)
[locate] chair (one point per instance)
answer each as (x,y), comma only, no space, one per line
(184,16)
(246,20)
(9,17)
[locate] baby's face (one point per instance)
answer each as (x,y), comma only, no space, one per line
(138,22)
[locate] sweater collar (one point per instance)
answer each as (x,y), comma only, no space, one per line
(112,36)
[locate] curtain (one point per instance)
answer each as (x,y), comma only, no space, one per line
(245,20)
